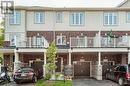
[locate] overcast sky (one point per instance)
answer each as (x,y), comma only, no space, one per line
(67,3)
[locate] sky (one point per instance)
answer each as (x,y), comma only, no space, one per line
(67,3)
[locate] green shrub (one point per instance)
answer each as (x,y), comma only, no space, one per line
(48,76)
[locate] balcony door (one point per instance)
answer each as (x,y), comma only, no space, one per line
(38,41)
(14,39)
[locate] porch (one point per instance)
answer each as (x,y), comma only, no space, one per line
(91,59)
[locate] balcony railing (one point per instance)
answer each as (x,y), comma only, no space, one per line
(115,42)
(32,42)
(82,42)
(94,41)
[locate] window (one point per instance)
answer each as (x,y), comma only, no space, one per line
(122,69)
(81,42)
(128,16)
(110,18)
(61,40)
(15,18)
(58,17)
(104,41)
(38,41)
(14,39)
(125,39)
(77,18)
(39,17)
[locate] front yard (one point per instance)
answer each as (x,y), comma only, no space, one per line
(54,83)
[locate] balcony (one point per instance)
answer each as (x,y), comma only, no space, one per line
(84,42)
(75,42)
(31,42)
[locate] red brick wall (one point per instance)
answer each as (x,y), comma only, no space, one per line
(49,35)
(94,57)
(32,56)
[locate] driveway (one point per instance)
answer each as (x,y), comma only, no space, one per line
(76,82)
(93,82)
(14,84)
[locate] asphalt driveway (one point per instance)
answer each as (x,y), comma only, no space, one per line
(93,82)
(14,84)
(76,82)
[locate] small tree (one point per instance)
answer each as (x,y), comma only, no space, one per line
(2,32)
(51,58)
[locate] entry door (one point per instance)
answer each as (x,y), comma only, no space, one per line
(106,65)
(82,69)
(58,64)
(38,68)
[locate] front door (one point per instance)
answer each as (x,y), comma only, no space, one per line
(106,65)
(81,68)
(38,68)
(58,64)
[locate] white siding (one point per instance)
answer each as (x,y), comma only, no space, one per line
(16,28)
(93,21)
(48,25)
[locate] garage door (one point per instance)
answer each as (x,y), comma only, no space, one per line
(81,68)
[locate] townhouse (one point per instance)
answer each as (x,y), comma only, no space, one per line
(89,39)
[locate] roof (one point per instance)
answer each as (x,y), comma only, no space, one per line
(125,1)
(30,8)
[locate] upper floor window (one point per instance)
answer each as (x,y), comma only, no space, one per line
(58,17)
(128,16)
(39,17)
(61,40)
(77,18)
(15,18)
(110,18)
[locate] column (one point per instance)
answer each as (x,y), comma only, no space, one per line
(128,57)
(16,61)
(114,41)
(99,36)
(123,59)
(99,58)
(44,64)
(99,67)
(85,41)
(69,58)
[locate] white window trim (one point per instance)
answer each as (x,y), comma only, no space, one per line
(61,17)
(13,16)
(79,23)
(61,37)
(113,14)
(35,18)
(127,20)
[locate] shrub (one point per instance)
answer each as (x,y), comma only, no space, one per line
(48,76)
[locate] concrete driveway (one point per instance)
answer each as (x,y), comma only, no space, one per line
(93,82)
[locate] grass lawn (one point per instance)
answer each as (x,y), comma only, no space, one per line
(53,83)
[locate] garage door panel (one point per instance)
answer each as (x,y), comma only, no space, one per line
(82,69)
